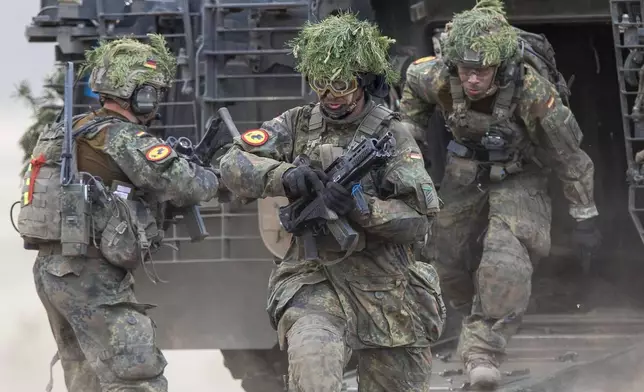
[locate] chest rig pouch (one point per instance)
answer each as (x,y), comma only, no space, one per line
(495,142)
(131,230)
(372,124)
(49,211)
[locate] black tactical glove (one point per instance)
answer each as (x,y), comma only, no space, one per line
(303,181)
(586,235)
(338,198)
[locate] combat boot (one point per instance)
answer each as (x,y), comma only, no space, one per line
(482,374)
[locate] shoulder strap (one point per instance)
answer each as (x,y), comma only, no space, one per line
(373,123)
(509,94)
(316,123)
(93,125)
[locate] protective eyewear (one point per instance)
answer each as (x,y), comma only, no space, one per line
(338,88)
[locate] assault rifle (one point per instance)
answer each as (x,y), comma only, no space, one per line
(307,217)
(219,133)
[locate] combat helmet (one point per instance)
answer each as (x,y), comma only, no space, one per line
(120,66)
(341,48)
(481,37)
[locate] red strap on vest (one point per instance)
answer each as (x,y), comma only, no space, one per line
(36,164)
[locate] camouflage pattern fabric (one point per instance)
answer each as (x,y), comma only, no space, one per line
(517,213)
(163,173)
(508,220)
(379,298)
(548,123)
(119,66)
(317,351)
(105,338)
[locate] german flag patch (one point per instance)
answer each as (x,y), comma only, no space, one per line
(424,59)
(150,63)
(550,102)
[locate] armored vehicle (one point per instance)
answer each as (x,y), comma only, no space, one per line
(584,323)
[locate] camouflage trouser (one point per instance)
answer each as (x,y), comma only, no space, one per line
(495,291)
(105,340)
(317,351)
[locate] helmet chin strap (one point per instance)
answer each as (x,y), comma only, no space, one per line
(148,118)
(339,115)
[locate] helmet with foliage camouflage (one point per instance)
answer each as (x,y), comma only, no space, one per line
(120,66)
(341,47)
(481,36)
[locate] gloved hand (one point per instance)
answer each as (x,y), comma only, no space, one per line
(338,198)
(303,181)
(586,235)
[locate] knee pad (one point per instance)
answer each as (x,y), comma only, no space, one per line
(312,329)
(316,355)
(504,287)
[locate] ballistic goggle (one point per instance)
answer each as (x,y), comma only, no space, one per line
(338,88)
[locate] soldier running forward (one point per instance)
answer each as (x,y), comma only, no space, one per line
(106,341)
(510,129)
(377,299)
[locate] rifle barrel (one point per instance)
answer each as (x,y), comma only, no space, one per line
(224,114)
(68,98)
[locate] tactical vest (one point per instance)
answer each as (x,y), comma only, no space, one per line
(39,219)
(496,140)
(371,125)
(275,238)
(374,122)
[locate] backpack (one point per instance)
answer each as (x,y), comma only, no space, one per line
(538,52)
(39,219)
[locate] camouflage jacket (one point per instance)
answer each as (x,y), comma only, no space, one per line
(155,168)
(126,152)
(384,262)
(550,126)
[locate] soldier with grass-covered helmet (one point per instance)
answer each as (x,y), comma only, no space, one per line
(374,298)
(510,129)
(106,341)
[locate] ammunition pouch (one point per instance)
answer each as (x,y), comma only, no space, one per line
(497,147)
(460,170)
(463,163)
(130,233)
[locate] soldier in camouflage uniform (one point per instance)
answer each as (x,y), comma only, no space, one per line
(376,300)
(106,341)
(510,128)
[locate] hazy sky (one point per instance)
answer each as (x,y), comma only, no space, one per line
(26,345)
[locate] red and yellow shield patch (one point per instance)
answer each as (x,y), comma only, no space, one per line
(255,137)
(158,152)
